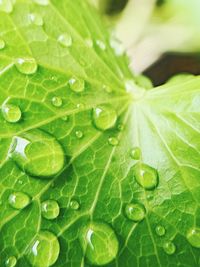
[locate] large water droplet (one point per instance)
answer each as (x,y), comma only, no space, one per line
(41,2)
(193,236)
(79,134)
(11,261)
(135,212)
(135,153)
(113,141)
(26,65)
(74,204)
(36,19)
(65,40)
(50,209)
(11,113)
(37,153)
(6,6)
(19,200)
(146,176)
(56,101)
(169,247)
(104,117)
(44,250)
(160,230)
(99,243)
(2,44)
(101,44)
(77,85)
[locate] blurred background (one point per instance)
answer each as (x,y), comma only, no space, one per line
(161,37)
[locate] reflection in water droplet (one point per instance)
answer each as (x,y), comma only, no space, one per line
(135,212)
(117,46)
(41,2)
(2,44)
(56,101)
(79,134)
(65,40)
(44,250)
(169,247)
(11,261)
(135,153)
(50,209)
(11,113)
(19,200)
(101,44)
(146,176)
(26,65)
(37,153)
(77,85)
(99,243)
(104,117)
(193,236)
(160,230)
(36,19)
(113,141)
(6,6)
(74,204)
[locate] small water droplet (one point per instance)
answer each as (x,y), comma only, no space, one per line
(2,44)
(44,250)
(11,261)
(6,6)
(120,127)
(37,153)
(107,88)
(79,134)
(160,230)
(117,46)
(77,85)
(11,113)
(89,42)
(99,243)
(56,101)
(193,236)
(169,247)
(104,117)
(19,200)
(80,106)
(41,2)
(65,118)
(113,141)
(36,19)
(135,153)
(74,204)
(146,176)
(50,209)
(65,40)
(135,212)
(26,65)
(101,45)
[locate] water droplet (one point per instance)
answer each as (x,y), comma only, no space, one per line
(99,243)
(2,44)
(193,236)
(160,230)
(107,88)
(6,6)
(11,113)
(56,101)
(65,118)
(117,46)
(80,106)
(11,261)
(36,19)
(44,250)
(19,200)
(26,65)
(37,153)
(135,212)
(50,209)
(89,42)
(113,141)
(169,247)
(146,176)
(101,45)
(135,153)
(79,134)
(77,85)
(104,117)
(41,2)
(120,127)
(74,204)
(65,40)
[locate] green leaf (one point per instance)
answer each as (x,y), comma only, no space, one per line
(91,173)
